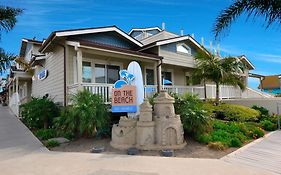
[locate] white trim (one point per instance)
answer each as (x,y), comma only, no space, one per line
(98,30)
(245,58)
(144,29)
(186,47)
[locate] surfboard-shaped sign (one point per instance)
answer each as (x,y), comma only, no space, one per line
(128,93)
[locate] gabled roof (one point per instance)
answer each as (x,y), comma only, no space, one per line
(24,42)
(144,29)
(248,62)
(173,40)
(64,33)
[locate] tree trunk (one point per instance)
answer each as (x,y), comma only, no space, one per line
(46,124)
(217,93)
(205,90)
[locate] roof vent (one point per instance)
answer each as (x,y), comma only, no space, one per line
(181,32)
(163,25)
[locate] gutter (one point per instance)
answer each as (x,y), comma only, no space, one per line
(158,86)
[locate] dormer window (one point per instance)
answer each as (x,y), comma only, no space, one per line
(184,49)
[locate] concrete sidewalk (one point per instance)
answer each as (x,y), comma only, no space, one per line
(15,138)
(21,153)
(264,153)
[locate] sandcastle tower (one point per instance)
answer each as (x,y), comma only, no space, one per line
(162,131)
(168,127)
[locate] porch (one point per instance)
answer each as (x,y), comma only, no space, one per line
(104,90)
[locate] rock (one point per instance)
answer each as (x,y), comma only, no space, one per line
(97,149)
(133,151)
(167,153)
(60,140)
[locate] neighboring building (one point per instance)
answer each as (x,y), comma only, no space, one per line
(71,60)
(270,84)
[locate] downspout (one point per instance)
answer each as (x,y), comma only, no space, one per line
(158,76)
(64,72)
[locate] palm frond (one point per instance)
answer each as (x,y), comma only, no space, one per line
(8,18)
(5,60)
(269,9)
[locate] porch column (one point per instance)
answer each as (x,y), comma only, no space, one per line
(79,69)
(159,77)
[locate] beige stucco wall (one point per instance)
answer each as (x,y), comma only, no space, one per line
(54,83)
(268,103)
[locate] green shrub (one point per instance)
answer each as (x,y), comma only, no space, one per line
(268,125)
(39,113)
(204,138)
(217,146)
(52,143)
(256,133)
(194,118)
(236,113)
(235,142)
(264,113)
(45,134)
(87,114)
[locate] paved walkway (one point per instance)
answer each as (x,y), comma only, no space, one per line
(21,153)
(264,153)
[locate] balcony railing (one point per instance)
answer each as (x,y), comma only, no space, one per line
(105,90)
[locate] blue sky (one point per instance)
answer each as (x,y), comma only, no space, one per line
(247,36)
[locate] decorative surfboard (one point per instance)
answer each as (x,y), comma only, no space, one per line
(135,69)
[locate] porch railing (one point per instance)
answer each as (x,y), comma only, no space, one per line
(105,90)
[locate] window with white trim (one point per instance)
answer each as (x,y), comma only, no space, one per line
(106,73)
(183,48)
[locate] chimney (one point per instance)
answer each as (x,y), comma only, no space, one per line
(211,47)
(163,25)
(181,32)
(202,41)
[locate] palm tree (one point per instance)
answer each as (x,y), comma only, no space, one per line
(220,71)
(7,23)
(5,60)
(270,9)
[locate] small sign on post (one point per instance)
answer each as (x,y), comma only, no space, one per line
(124,99)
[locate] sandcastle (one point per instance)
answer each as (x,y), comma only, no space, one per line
(153,130)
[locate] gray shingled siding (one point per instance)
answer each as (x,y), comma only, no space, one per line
(108,38)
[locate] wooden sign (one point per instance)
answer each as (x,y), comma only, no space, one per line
(124,99)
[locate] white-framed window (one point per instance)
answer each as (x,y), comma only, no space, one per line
(106,73)
(86,72)
(183,48)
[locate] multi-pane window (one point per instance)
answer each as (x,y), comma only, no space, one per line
(167,76)
(86,72)
(112,74)
(100,73)
(149,76)
(106,73)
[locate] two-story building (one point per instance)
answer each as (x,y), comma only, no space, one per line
(90,58)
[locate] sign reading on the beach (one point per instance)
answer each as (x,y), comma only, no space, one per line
(124,94)
(124,99)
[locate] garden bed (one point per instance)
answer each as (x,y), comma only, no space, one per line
(193,149)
